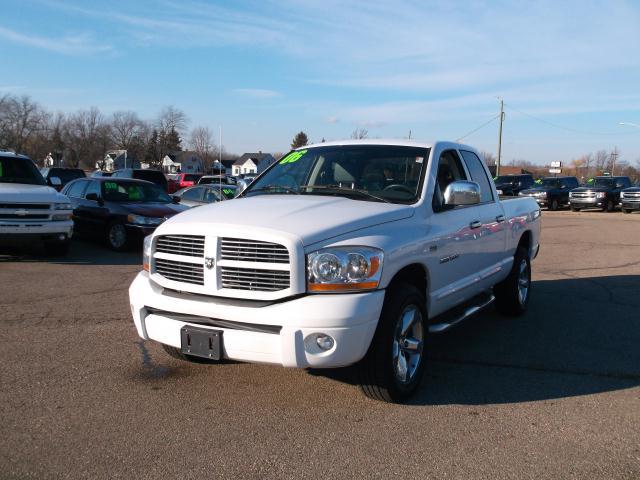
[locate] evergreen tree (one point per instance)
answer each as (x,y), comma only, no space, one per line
(300,140)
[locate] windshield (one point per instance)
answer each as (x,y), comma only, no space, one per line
(19,170)
(604,182)
(506,179)
(360,172)
(550,182)
(133,192)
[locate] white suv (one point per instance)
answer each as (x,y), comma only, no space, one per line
(29,209)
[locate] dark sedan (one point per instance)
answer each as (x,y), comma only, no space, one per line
(119,210)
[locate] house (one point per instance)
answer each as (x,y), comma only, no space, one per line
(183,162)
(116,160)
(252,164)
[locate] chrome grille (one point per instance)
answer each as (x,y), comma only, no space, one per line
(24,216)
(33,206)
(632,195)
(188,245)
(255,280)
(583,194)
(252,251)
(180,271)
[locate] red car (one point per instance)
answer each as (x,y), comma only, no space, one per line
(179,181)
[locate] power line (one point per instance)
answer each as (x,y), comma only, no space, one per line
(568,129)
(476,129)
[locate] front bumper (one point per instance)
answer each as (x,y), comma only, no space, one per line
(350,319)
(630,205)
(15,233)
(588,202)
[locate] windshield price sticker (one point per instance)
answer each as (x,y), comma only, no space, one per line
(110,185)
(293,157)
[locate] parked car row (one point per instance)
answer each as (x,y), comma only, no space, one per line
(605,193)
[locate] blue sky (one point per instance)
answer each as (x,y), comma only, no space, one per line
(568,71)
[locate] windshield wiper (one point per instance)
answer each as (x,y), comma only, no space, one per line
(338,189)
(273,189)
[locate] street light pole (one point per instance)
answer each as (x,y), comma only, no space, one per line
(500,137)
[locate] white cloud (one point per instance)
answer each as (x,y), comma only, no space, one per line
(81,44)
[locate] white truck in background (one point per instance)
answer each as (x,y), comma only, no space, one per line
(31,211)
(339,254)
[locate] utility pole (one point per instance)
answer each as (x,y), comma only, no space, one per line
(614,157)
(500,137)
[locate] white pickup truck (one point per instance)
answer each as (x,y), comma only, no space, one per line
(339,254)
(30,211)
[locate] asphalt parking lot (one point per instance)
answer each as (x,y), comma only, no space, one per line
(553,394)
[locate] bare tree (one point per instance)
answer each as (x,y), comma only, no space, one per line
(125,126)
(20,120)
(87,137)
(601,159)
(359,133)
(488,158)
(201,141)
(172,118)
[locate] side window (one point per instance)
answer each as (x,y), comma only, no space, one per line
(94,187)
(195,194)
(449,170)
(77,189)
(478,175)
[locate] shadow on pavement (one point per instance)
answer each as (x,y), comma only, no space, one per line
(82,252)
(580,336)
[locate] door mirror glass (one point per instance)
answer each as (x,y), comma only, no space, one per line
(55,181)
(462,192)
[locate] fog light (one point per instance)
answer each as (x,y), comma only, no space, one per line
(62,237)
(325,342)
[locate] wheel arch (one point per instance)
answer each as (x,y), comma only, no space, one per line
(415,274)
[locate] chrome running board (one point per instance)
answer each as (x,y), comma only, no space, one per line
(483,300)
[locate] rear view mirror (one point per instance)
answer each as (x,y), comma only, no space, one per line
(55,181)
(462,192)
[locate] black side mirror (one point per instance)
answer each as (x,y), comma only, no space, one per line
(175,199)
(95,198)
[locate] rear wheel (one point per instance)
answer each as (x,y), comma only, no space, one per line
(512,294)
(392,369)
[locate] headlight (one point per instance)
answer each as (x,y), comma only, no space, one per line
(141,220)
(59,217)
(62,206)
(600,195)
(344,268)
(621,194)
(146,252)
(541,194)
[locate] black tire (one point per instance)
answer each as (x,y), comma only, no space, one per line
(626,210)
(177,353)
(380,371)
(56,249)
(117,237)
(508,293)
(609,207)
(575,209)
(553,206)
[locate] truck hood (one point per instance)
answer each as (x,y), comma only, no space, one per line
(529,191)
(311,218)
(26,193)
(153,209)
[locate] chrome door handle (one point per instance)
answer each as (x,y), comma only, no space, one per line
(476,224)
(500,218)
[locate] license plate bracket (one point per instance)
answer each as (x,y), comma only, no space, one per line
(201,342)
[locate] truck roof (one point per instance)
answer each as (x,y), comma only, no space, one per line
(401,142)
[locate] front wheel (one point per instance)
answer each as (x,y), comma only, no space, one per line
(512,294)
(609,207)
(553,206)
(117,237)
(626,210)
(575,209)
(392,369)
